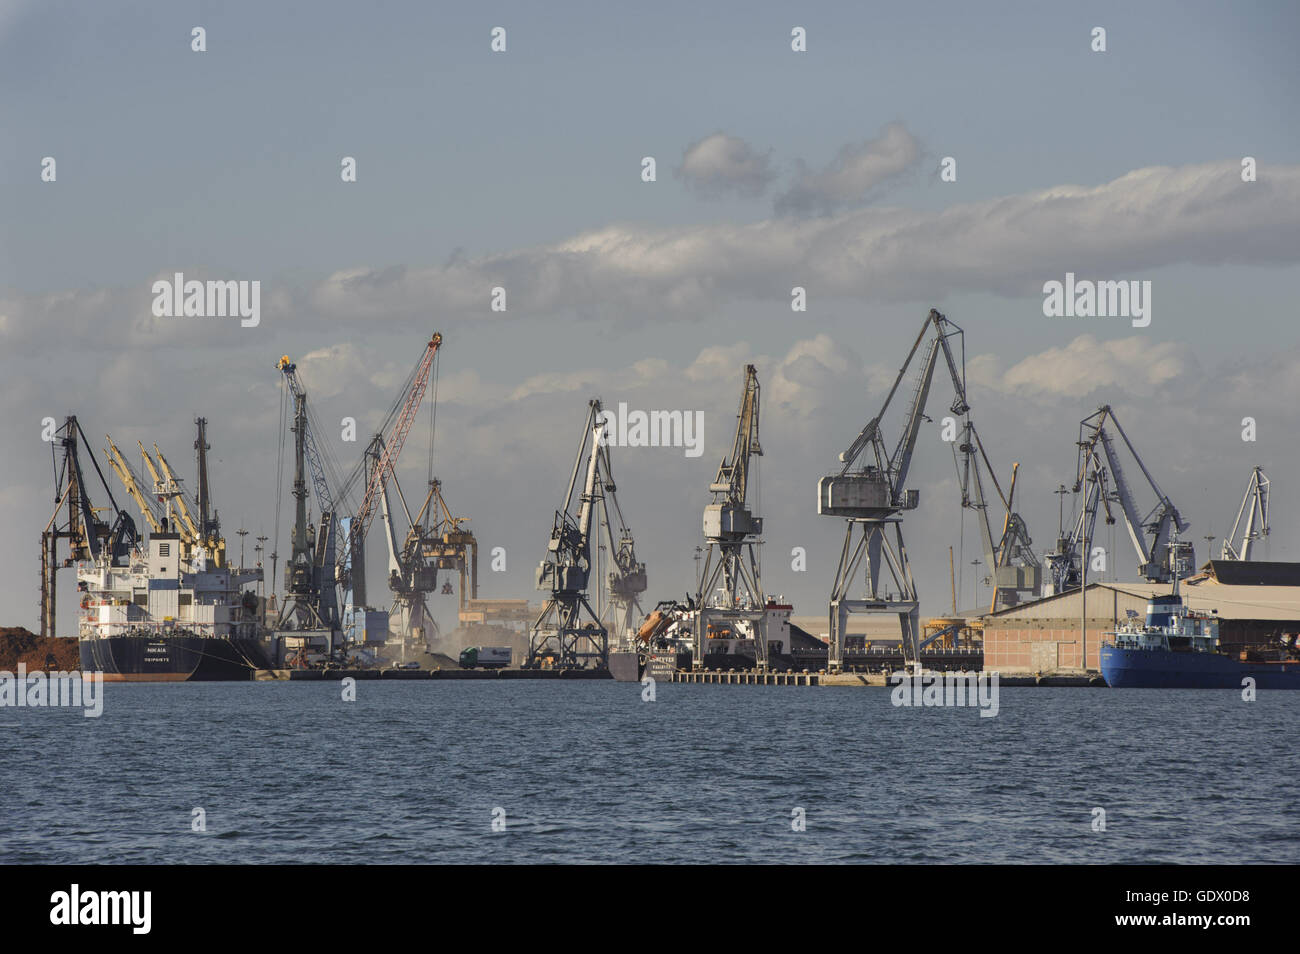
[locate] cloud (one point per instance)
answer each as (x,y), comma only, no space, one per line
(859,168)
(814,372)
(721,164)
(629,274)
(1137,365)
(1200,214)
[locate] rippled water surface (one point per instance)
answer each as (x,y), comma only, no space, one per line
(588,772)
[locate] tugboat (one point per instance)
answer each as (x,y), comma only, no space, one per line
(1177,648)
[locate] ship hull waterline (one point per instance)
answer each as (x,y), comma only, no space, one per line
(179,658)
(1163,669)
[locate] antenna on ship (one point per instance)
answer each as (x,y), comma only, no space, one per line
(1173,556)
(257,551)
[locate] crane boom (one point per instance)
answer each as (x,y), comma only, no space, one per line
(1254,509)
(131,481)
(1156,562)
(733,472)
(324,499)
(392,446)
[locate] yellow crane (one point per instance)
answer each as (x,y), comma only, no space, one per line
(173,489)
(131,482)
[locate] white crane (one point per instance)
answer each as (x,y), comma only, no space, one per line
(874,495)
(731,589)
(1159,559)
(1254,510)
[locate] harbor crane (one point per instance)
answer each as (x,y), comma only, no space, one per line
(873,495)
(1101,470)
(378,464)
(310,595)
(89,537)
(331,556)
(1254,511)
(559,632)
(1015,571)
(731,589)
(132,482)
(434,541)
(627,577)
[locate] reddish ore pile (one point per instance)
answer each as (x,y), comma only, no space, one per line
(19,645)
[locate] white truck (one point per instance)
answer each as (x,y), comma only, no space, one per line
(485,657)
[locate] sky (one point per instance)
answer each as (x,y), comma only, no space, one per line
(774,169)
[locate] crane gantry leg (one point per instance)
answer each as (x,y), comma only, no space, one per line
(731,591)
(873,546)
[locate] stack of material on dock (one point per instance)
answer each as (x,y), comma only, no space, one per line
(19,645)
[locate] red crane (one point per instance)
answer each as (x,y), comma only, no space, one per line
(387,458)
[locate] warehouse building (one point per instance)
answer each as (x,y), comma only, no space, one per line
(1255,601)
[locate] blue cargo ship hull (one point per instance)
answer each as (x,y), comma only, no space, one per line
(1164,669)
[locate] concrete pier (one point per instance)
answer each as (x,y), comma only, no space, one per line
(317,675)
(746,677)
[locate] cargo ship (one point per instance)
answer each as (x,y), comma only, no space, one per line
(167,607)
(1177,648)
(168,613)
(654,651)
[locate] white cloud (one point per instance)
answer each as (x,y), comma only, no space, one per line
(1137,365)
(720,164)
(859,168)
(1201,214)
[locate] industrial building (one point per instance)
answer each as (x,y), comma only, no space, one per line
(1255,601)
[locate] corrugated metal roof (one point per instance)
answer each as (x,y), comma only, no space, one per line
(1278,603)
(1255,572)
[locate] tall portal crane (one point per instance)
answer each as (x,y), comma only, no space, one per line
(559,632)
(89,538)
(731,589)
(311,452)
(1254,509)
(311,597)
(1064,572)
(626,579)
(378,465)
(434,541)
(318,564)
(1015,571)
(448,545)
(310,592)
(873,495)
(1100,464)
